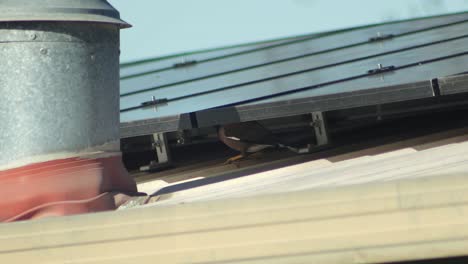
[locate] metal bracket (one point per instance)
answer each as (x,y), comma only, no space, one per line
(321,134)
(183,137)
(185,63)
(381,69)
(381,37)
(161,145)
(319,125)
(155,102)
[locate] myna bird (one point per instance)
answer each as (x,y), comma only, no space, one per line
(247,137)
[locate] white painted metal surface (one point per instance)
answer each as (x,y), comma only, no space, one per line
(379,205)
(371,223)
(406,163)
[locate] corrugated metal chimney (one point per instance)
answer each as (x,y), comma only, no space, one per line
(59,112)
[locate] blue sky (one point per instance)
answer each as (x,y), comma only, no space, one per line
(173,26)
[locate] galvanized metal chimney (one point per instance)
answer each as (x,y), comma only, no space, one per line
(59,108)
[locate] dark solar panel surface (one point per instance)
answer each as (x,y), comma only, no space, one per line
(161,64)
(302,69)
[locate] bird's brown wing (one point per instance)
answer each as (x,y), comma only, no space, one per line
(252,132)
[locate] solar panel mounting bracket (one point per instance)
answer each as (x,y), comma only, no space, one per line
(161,145)
(185,64)
(319,125)
(381,69)
(155,102)
(381,37)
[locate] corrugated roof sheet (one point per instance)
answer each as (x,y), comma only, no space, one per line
(420,218)
(420,157)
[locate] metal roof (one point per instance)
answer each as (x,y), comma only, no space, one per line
(436,154)
(370,65)
(419,217)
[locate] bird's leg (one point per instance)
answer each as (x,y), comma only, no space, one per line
(235,158)
(238,157)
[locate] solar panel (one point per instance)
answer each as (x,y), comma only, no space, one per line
(389,63)
(278,53)
(138,68)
